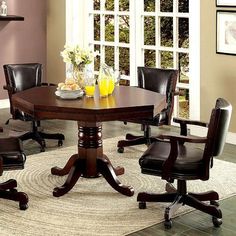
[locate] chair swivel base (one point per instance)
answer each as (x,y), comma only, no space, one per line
(40,137)
(8,191)
(132,140)
(178,199)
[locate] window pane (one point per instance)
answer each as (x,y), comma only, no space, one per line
(109,56)
(109,5)
(109,28)
(184,68)
(183,5)
(166,5)
(124,29)
(124,59)
(167,59)
(183,32)
(124,5)
(184,103)
(97,59)
(166,31)
(150,58)
(96,4)
(96,27)
(149,30)
(149,5)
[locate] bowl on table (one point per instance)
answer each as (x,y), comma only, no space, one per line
(69,94)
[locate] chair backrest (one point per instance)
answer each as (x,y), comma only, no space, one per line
(218,128)
(20,77)
(23,76)
(162,81)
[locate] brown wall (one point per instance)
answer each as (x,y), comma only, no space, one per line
(218,71)
(56,38)
(23,41)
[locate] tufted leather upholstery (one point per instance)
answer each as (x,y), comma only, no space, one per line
(20,77)
(162,81)
(179,158)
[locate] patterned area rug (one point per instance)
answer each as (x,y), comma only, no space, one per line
(92,207)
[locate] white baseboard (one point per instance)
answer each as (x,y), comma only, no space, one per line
(201,131)
(4,103)
(231,138)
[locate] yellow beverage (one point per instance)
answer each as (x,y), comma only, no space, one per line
(89,90)
(111,85)
(103,86)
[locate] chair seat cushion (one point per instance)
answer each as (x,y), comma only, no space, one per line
(189,161)
(11,153)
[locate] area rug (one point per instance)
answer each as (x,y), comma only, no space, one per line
(92,207)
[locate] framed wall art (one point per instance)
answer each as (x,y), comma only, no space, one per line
(226,3)
(226,32)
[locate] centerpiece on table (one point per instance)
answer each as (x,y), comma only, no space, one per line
(78,57)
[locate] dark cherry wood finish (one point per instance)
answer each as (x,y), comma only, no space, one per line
(11,18)
(9,148)
(126,102)
(173,158)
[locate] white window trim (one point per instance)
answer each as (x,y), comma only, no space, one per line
(194,31)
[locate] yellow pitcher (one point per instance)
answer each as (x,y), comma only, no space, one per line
(107,80)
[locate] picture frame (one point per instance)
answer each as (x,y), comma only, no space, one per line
(226,32)
(226,3)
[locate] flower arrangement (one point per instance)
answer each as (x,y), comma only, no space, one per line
(77,56)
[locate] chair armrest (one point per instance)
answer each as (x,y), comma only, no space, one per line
(190,122)
(175,140)
(182,138)
(9,88)
(184,122)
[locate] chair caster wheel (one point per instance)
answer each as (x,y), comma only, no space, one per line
(120,149)
(23,207)
(142,205)
(60,142)
(216,221)
(214,203)
(168,224)
(42,149)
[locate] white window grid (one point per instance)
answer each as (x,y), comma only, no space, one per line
(102,42)
(136,14)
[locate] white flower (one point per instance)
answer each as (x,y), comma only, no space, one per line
(78,56)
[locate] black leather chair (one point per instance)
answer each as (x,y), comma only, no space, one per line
(20,77)
(161,81)
(178,158)
(12,157)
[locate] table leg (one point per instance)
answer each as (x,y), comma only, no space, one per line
(90,162)
(65,170)
(74,174)
(107,170)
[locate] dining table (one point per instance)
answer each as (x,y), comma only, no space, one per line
(90,112)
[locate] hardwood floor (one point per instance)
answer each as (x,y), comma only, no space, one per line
(194,223)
